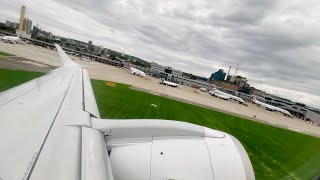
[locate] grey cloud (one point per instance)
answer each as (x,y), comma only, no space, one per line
(250,12)
(274,43)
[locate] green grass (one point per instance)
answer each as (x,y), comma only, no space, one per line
(5,54)
(274,152)
(12,78)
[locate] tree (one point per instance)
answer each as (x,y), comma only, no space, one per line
(112,56)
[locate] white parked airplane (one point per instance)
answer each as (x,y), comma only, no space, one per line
(270,107)
(51,129)
(203,89)
(83,58)
(137,72)
(168,83)
(12,39)
(215,92)
(70,53)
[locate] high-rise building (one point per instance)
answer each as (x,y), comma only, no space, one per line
(100,48)
(218,76)
(23,11)
(240,81)
(15,25)
(90,47)
(35,31)
(27,24)
(8,23)
(245,88)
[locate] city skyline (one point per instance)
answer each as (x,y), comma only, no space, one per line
(275,49)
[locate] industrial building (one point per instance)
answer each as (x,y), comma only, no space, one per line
(232,82)
(226,85)
(220,75)
(237,80)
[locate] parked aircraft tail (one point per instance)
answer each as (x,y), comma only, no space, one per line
(213,87)
(254,98)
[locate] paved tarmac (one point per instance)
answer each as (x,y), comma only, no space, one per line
(24,64)
(42,59)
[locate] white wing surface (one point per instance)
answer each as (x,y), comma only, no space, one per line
(41,124)
(12,41)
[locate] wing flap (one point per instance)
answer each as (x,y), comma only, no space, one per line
(89,99)
(95,160)
(61,155)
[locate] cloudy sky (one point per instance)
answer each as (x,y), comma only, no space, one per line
(274,43)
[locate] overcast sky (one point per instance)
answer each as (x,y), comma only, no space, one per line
(274,43)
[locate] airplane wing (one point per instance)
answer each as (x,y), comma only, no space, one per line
(50,129)
(13,42)
(43,125)
(22,42)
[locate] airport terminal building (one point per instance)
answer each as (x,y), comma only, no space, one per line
(299,110)
(176,76)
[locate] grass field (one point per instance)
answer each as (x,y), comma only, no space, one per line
(11,78)
(5,54)
(275,153)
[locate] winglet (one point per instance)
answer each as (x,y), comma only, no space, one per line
(64,57)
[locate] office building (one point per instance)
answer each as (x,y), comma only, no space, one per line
(14,25)
(27,24)
(100,49)
(245,88)
(22,13)
(90,46)
(8,23)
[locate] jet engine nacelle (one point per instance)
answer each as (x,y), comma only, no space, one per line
(159,149)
